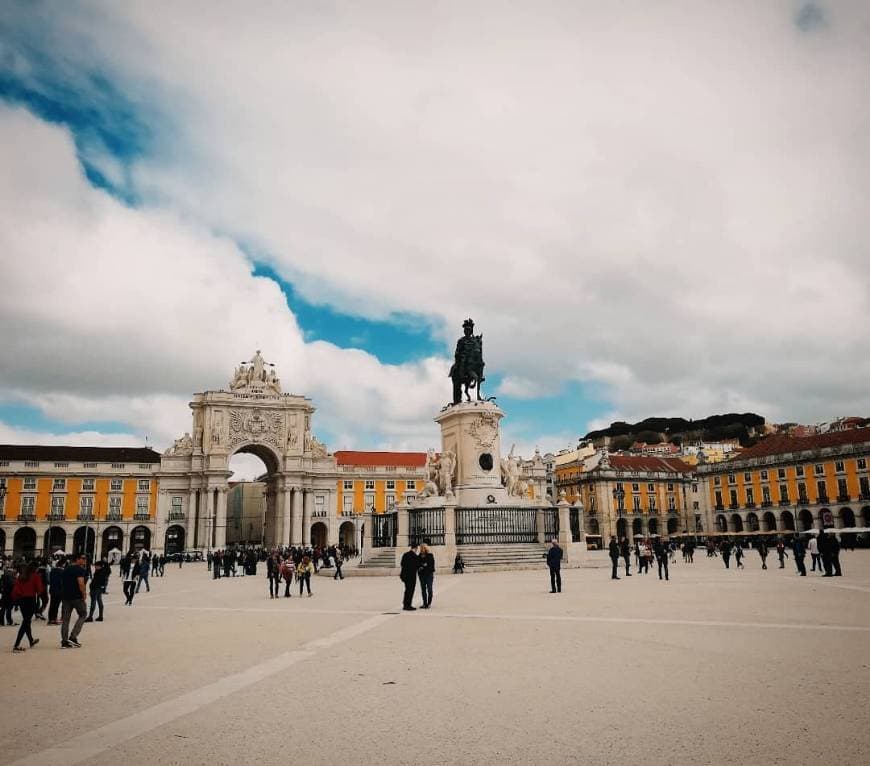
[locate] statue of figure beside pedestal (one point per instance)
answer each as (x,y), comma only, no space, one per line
(467,369)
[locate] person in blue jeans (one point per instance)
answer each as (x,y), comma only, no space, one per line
(426,573)
(144,568)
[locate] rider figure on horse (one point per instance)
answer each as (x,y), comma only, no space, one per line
(467,369)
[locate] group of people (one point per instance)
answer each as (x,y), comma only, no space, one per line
(300,563)
(645,550)
(244,560)
(418,563)
(824,551)
(64,585)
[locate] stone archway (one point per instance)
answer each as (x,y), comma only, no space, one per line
(174,542)
(769,520)
(113,539)
(847,518)
(319,535)
(347,535)
(24,542)
(865,515)
(593,526)
(621,528)
(787,520)
(673,526)
(140,539)
(637,527)
(721,523)
(736,523)
(752,522)
(653,525)
(85,540)
(55,540)
(806,520)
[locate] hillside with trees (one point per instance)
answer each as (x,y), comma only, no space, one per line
(747,427)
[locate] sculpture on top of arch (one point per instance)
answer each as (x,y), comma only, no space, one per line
(253,377)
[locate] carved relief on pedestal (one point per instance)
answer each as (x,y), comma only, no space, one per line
(256,425)
(484,429)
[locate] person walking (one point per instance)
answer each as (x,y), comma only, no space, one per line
(613,551)
(144,567)
(96,588)
(625,552)
(780,551)
(825,553)
(273,572)
(131,579)
(834,545)
(338,561)
(554,562)
(813,550)
(303,574)
(55,590)
(29,585)
(287,570)
(762,552)
(738,556)
(73,597)
(409,566)
(661,551)
(726,554)
(426,574)
(799,551)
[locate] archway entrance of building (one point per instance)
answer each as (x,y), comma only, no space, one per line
(865,515)
(787,521)
(637,527)
(140,539)
(620,528)
(24,542)
(253,510)
(593,526)
(736,523)
(721,524)
(847,517)
(347,535)
(84,540)
(769,521)
(752,522)
(113,539)
(806,520)
(673,526)
(319,535)
(653,526)
(55,540)
(2,541)
(174,541)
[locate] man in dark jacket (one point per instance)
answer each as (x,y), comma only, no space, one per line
(834,548)
(660,549)
(410,565)
(554,562)
(625,550)
(800,552)
(613,549)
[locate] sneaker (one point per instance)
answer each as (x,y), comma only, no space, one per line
(89,619)
(65,645)
(35,642)
(18,649)
(75,642)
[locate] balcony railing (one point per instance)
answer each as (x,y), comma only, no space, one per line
(843,498)
(734,506)
(57,516)
(750,505)
(784,501)
(822,499)
(113,516)
(864,496)
(766,503)
(27,517)
(803,500)
(141,516)
(176,515)
(719,507)
(85,516)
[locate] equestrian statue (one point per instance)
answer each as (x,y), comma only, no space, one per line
(467,369)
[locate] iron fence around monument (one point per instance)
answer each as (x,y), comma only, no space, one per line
(551,524)
(481,526)
(426,525)
(384,529)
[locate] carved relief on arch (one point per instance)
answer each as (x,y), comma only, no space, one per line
(256,425)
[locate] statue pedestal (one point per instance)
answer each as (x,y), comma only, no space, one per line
(471,431)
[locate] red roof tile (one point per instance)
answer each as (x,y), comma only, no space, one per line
(781,444)
(649,463)
(402,459)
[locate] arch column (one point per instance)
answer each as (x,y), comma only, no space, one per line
(190,520)
(220,524)
(283,532)
(308,502)
(296,533)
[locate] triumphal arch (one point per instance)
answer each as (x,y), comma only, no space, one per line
(252,415)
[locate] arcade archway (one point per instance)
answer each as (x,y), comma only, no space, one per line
(847,518)
(174,540)
(55,540)
(673,526)
(140,539)
(637,527)
(736,523)
(770,521)
(620,528)
(319,535)
(653,526)
(24,542)
(2,541)
(787,520)
(84,541)
(806,520)
(347,534)
(254,515)
(113,539)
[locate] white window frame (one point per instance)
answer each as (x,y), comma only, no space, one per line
(370,484)
(391,502)
(116,485)
(672,503)
(89,485)
(369,501)
(28,504)
(780,474)
(58,505)
(391,484)
(176,504)
(839,466)
(861,464)
(799,470)
(142,504)
(347,486)
(764,475)
(115,504)
(411,484)
(86,504)
(58,485)
(348,503)
(143,485)
(819,469)
(635,502)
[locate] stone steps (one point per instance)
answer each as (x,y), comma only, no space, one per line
(515,556)
(379,558)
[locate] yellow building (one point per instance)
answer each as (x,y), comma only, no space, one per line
(633,495)
(375,482)
(784,482)
(76,498)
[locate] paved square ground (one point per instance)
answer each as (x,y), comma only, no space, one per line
(713,667)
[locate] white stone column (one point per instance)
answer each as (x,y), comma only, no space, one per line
(296,533)
(158,539)
(285,509)
(190,519)
(564,509)
(449,536)
(221,519)
(308,503)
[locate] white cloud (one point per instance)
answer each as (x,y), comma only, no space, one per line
(17,435)
(667,202)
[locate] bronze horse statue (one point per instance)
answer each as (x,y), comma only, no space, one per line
(467,369)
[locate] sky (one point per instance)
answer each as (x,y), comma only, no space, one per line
(647,208)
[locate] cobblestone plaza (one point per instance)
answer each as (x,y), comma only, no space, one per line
(715,666)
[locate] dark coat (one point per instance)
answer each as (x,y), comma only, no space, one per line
(410,565)
(554,557)
(614,549)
